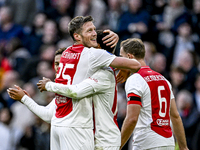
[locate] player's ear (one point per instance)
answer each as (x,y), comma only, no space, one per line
(77,37)
(130,56)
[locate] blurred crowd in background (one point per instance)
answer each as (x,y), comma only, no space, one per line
(32,30)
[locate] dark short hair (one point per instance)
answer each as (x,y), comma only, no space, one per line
(134,46)
(75,25)
(60,51)
(101,35)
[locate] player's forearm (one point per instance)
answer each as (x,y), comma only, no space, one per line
(179,132)
(126,131)
(41,111)
(73,91)
(125,63)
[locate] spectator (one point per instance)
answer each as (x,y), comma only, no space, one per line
(134,22)
(8,28)
(9,79)
(25,16)
(63,28)
(150,51)
(187,62)
(196,93)
(23,11)
(17,54)
(177,78)
(158,64)
(113,13)
(94,8)
(49,36)
(10,135)
(36,136)
(60,8)
(174,14)
(196,17)
(189,114)
(46,54)
(183,42)
(38,24)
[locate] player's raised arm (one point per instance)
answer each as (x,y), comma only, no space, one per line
(44,112)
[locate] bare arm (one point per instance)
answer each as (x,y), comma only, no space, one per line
(125,63)
(178,126)
(133,111)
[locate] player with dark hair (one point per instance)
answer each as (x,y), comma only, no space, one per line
(150,106)
(101,86)
(78,62)
(100,36)
(107,133)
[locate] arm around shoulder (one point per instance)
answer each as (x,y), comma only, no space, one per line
(125,63)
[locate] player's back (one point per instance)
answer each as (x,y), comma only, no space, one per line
(76,64)
(153,126)
(107,132)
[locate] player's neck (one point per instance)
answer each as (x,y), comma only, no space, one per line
(78,43)
(142,62)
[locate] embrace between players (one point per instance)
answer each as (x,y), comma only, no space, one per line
(85,80)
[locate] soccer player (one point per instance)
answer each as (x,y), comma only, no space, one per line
(102,87)
(18,94)
(150,106)
(78,62)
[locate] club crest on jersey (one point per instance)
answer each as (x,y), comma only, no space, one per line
(60,99)
(162,122)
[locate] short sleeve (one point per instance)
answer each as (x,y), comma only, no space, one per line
(170,87)
(134,88)
(100,58)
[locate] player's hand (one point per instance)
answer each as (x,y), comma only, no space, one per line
(111,39)
(16,93)
(27,93)
(41,84)
(122,75)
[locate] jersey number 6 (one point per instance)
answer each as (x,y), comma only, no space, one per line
(161,101)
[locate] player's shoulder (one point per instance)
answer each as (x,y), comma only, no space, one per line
(135,78)
(95,50)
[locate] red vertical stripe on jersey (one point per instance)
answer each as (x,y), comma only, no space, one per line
(67,69)
(115,101)
(160,97)
(94,130)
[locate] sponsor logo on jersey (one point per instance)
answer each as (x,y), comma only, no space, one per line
(60,99)
(162,122)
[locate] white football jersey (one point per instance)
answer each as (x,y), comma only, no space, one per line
(101,87)
(153,92)
(76,64)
